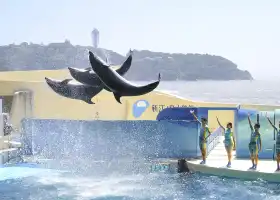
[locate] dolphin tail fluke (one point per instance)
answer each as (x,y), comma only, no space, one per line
(118,97)
(66,81)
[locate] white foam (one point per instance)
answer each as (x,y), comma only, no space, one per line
(142,104)
(96,187)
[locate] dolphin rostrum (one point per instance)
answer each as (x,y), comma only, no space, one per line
(116,83)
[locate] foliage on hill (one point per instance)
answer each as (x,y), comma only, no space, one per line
(145,66)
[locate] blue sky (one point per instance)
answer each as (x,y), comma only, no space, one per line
(244,31)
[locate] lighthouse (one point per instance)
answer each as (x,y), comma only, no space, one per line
(95,37)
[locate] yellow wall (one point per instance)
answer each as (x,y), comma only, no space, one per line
(224,116)
(49,105)
(35,75)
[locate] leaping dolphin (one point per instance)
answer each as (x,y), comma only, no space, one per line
(73,91)
(116,83)
(88,77)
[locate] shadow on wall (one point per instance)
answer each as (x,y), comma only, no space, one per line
(21,108)
(106,140)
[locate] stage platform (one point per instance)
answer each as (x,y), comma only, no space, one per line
(217,161)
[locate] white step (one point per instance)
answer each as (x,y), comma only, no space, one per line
(6,154)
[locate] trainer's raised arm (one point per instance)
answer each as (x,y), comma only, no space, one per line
(220,123)
(250,123)
(271,123)
(195,117)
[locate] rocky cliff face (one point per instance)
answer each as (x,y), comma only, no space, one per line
(145,66)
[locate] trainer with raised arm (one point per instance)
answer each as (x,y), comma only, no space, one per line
(255,144)
(204,134)
(229,140)
(277,142)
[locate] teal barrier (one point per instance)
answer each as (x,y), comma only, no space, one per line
(276,123)
(243,133)
(267,134)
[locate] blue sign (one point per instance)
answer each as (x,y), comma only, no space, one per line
(160,167)
(139,107)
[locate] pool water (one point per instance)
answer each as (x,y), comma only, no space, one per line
(37,184)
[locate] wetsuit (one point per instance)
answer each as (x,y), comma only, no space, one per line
(278,142)
(202,137)
(228,138)
(253,145)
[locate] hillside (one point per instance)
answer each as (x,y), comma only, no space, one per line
(146,64)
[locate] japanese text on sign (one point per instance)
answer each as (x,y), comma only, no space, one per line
(158,108)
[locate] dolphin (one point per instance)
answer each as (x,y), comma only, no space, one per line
(116,83)
(73,91)
(88,77)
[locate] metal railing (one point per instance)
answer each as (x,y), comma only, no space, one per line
(214,139)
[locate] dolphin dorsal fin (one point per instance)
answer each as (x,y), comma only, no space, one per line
(88,69)
(66,81)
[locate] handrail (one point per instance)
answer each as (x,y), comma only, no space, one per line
(214,139)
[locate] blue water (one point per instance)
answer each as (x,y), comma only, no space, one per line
(52,185)
(92,183)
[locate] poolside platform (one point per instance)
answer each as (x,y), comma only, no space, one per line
(217,161)
(8,149)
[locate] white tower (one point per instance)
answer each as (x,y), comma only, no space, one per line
(95,37)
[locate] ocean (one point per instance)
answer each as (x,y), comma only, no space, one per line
(53,185)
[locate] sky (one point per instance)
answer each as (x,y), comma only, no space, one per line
(246,32)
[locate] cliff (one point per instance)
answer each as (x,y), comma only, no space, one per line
(146,64)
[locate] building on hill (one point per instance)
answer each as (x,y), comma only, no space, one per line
(95,38)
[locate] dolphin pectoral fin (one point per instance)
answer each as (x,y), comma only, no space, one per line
(66,81)
(88,101)
(118,97)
